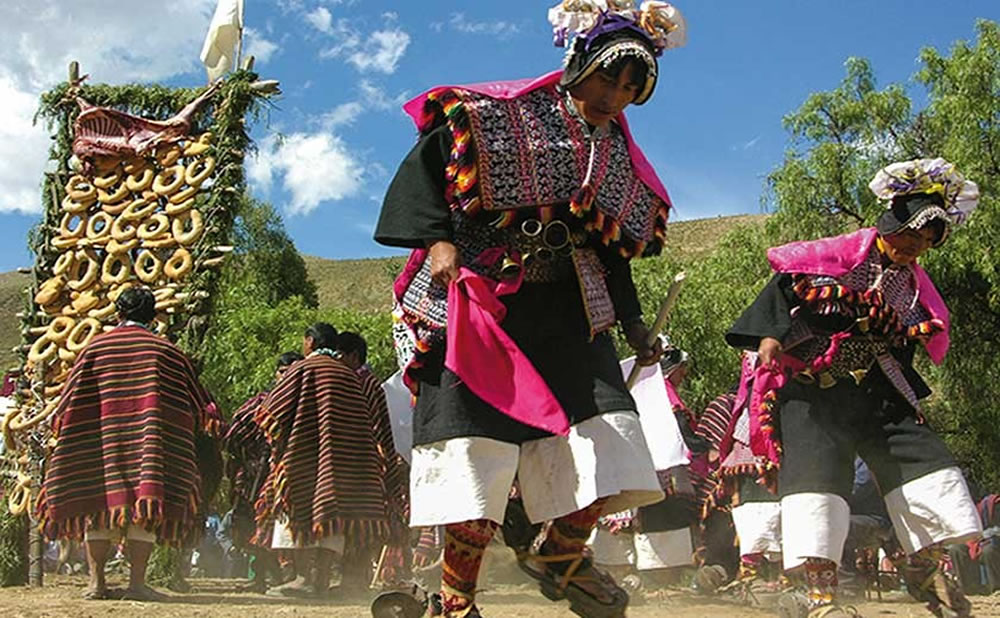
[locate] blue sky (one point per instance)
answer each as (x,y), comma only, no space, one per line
(330,145)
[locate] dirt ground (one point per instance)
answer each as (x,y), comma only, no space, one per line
(61,597)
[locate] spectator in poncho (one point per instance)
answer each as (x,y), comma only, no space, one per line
(326,480)
(125,461)
(353,350)
(247,467)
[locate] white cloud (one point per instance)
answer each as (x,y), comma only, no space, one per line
(346,40)
(314,168)
(376,97)
(748,145)
(343,114)
(460,23)
(257,46)
(22,150)
(151,41)
(381,52)
(321,19)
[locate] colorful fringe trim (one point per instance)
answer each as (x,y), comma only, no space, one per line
(882,318)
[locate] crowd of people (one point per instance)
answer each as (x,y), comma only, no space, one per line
(523,204)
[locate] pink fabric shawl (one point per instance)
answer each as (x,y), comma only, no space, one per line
(836,256)
(488,361)
(513,89)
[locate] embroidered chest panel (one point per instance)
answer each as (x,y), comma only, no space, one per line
(534,151)
(895,286)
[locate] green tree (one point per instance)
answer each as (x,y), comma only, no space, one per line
(717,288)
(264,295)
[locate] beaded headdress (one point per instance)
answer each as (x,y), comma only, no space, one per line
(643,33)
(923,190)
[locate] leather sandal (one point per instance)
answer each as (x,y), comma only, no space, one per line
(559,584)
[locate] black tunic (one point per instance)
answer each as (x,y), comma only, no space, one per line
(546,320)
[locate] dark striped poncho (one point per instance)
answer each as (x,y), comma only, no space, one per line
(715,420)
(247,450)
(247,466)
(326,470)
(395,470)
(125,450)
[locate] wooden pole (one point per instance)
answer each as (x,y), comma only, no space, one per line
(661,321)
(36,550)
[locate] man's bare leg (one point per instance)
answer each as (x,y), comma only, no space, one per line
(138,557)
(97,556)
(302,584)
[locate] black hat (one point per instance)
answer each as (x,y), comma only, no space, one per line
(915,211)
(592,55)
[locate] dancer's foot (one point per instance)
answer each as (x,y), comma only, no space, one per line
(591,592)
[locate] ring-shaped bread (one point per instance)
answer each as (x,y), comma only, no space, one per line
(154,226)
(184,234)
(169,180)
(148,267)
(60,328)
(179,264)
(82,334)
(117,268)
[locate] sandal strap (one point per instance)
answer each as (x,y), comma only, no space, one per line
(563,580)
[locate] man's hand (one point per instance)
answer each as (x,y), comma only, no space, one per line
(445,261)
(637,336)
(768,351)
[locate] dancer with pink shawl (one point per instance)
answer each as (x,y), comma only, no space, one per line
(836,330)
(524,202)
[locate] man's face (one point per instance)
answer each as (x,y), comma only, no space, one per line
(352,359)
(677,375)
(601,97)
(906,246)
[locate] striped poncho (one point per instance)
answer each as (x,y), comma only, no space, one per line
(246,466)
(395,470)
(126,429)
(247,450)
(326,472)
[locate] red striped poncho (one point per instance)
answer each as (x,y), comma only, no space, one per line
(126,430)
(326,470)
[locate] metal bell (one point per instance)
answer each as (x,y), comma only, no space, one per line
(509,268)
(826,380)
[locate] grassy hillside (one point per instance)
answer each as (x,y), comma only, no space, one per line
(12,285)
(366,284)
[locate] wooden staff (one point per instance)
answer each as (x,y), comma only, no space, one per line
(378,567)
(658,324)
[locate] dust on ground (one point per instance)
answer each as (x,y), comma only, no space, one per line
(61,596)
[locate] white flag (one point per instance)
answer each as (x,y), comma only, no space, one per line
(656,415)
(398,397)
(220,48)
